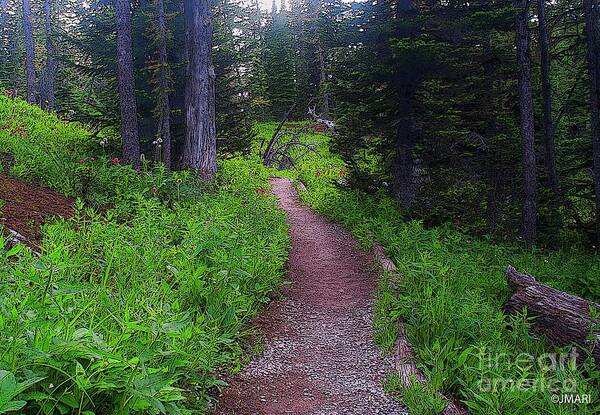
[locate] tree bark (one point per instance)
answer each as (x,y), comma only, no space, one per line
(404,186)
(3,14)
(322,78)
(549,129)
(403,169)
(29,52)
(563,318)
(527,128)
(164,85)
(129,127)
(590,9)
(51,65)
(5,53)
(200,150)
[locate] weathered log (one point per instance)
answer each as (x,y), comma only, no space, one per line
(14,237)
(404,356)
(563,318)
(408,372)
(382,259)
(301,187)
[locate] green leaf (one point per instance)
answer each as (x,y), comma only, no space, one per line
(12,406)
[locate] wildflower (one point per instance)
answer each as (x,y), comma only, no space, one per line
(93,159)
(115,161)
(81,161)
(50,386)
(154,190)
(104,141)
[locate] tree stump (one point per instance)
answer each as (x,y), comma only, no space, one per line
(563,318)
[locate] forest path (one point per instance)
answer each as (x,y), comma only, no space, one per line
(319,356)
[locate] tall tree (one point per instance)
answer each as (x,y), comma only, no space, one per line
(590,9)
(3,13)
(29,51)
(48,98)
(527,128)
(200,149)
(547,98)
(279,63)
(163,88)
(128,107)
(407,84)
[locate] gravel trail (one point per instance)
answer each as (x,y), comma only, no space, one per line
(319,356)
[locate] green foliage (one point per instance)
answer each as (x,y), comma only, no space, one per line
(279,65)
(449,290)
(138,309)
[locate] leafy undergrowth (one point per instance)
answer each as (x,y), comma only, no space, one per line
(137,309)
(450,289)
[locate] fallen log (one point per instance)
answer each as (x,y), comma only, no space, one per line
(382,259)
(563,318)
(408,372)
(15,237)
(404,355)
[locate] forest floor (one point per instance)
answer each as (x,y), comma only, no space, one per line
(318,356)
(25,207)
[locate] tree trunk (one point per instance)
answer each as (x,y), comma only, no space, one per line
(129,127)
(200,151)
(403,169)
(5,52)
(164,86)
(492,208)
(322,79)
(404,187)
(547,99)
(527,128)
(51,65)
(29,52)
(3,14)
(562,317)
(590,9)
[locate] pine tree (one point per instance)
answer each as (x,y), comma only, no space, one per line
(48,95)
(200,149)
(131,144)
(233,59)
(162,78)
(590,8)
(279,64)
(527,127)
(29,51)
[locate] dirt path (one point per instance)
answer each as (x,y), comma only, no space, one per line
(319,356)
(26,207)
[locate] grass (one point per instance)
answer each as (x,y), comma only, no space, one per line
(141,308)
(449,290)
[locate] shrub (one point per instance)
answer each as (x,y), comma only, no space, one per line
(138,309)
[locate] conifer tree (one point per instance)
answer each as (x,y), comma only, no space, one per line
(200,147)
(163,80)
(29,52)
(129,126)
(279,63)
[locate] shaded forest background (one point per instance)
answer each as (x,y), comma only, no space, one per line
(478,114)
